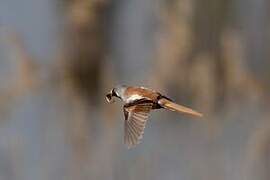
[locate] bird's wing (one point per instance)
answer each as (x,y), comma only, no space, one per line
(135,121)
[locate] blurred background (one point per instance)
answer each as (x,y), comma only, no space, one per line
(59,58)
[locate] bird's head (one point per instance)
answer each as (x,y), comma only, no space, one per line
(115,92)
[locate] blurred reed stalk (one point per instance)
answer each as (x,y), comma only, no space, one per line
(201,58)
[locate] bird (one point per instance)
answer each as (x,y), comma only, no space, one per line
(138,102)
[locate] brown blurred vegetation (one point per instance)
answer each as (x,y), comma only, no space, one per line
(200,58)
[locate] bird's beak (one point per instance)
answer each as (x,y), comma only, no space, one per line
(109,98)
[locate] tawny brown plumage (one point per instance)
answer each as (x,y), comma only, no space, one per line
(177,107)
(139,101)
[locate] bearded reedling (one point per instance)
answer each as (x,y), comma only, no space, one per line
(138,102)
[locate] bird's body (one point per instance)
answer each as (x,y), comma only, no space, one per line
(138,102)
(135,93)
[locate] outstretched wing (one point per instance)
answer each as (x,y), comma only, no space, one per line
(135,121)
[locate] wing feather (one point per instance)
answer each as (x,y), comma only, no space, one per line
(135,121)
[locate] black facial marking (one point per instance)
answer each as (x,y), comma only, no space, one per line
(113,93)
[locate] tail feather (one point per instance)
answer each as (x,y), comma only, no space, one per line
(176,107)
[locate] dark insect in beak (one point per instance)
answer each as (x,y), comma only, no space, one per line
(109,97)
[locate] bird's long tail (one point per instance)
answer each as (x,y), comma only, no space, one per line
(176,107)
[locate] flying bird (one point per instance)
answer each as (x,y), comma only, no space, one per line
(138,102)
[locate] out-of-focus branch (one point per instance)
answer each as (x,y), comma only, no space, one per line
(201,59)
(26,77)
(83,64)
(23,78)
(258,156)
(85,46)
